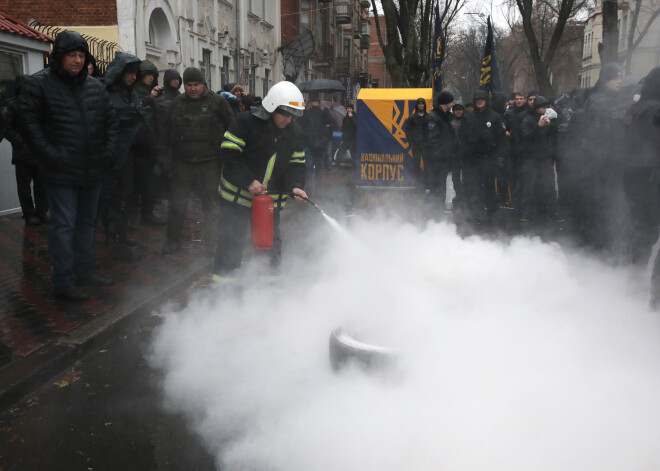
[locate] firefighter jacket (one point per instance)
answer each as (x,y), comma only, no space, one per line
(253,149)
(196,127)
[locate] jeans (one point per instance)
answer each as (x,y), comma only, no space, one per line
(71,232)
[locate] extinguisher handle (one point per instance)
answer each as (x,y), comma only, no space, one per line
(263,190)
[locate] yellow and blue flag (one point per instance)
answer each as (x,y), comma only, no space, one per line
(490,74)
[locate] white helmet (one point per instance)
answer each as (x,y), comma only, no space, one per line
(286,95)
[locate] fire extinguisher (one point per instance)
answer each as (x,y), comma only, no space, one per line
(262,221)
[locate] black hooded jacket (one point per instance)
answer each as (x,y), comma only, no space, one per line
(482,134)
(644,137)
(68,122)
(414,125)
(134,121)
(438,137)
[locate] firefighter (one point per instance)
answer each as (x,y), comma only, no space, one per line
(262,149)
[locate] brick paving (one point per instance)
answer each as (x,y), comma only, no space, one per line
(31,319)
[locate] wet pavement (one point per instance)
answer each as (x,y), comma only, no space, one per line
(102,413)
(39,335)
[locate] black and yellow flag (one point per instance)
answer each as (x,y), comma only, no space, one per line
(436,56)
(490,75)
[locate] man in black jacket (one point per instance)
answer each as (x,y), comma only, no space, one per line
(261,150)
(196,123)
(641,179)
(71,128)
(35,211)
(512,119)
(539,135)
(438,146)
(482,146)
(414,129)
(317,126)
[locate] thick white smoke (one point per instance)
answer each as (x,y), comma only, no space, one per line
(513,356)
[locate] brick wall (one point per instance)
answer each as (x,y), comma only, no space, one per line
(65,13)
(290,20)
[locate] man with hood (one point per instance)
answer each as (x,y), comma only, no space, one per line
(539,134)
(196,122)
(136,147)
(641,178)
(28,178)
(601,203)
(482,137)
(171,84)
(414,129)
(261,151)
(438,146)
(72,130)
(144,188)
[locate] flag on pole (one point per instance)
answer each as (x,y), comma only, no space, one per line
(436,56)
(490,74)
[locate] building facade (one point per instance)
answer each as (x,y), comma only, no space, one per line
(231,41)
(643,58)
(341,33)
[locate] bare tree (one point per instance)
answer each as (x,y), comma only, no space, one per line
(608,49)
(637,32)
(406,41)
(465,54)
(543,23)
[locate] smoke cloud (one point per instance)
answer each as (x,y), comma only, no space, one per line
(512,356)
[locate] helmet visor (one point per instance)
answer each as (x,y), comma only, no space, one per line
(284,109)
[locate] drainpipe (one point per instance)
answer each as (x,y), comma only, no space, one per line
(238,42)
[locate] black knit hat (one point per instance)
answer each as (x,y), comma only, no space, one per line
(540,101)
(445,98)
(193,74)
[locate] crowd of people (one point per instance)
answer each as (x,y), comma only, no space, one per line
(98,151)
(592,155)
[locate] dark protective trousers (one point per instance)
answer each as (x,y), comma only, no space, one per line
(437,172)
(479,185)
(71,232)
(538,187)
(28,179)
(642,187)
(201,178)
(236,220)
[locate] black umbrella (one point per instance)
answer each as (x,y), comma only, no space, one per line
(321,85)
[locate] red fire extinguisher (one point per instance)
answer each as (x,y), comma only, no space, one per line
(262,221)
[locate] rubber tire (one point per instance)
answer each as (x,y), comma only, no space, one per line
(345,349)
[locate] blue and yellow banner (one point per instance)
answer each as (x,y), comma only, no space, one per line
(384,155)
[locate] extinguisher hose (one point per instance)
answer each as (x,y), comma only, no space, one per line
(310,202)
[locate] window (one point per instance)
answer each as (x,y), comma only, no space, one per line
(266,79)
(11,65)
(206,66)
(305,14)
(347,47)
(225,70)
